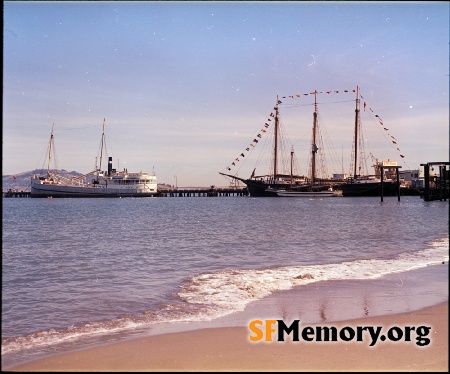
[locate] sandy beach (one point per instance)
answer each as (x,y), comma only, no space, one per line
(230,349)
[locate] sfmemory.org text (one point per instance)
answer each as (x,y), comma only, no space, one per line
(275,330)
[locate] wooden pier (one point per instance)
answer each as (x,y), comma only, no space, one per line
(15,193)
(202,191)
(171,192)
(436,187)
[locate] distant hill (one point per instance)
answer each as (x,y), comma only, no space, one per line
(22,181)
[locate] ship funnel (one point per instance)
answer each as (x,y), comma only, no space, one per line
(109,165)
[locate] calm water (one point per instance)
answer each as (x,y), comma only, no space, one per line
(74,269)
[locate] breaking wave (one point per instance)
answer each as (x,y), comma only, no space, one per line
(208,296)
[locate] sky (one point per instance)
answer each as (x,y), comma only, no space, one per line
(184,88)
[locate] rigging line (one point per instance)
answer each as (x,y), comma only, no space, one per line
(335,102)
(288,137)
(295,105)
(364,170)
(318,103)
(285,148)
(303,138)
(243,159)
(386,135)
(259,158)
(323,153)
(78,128)
(328,142)
(247,144)
(50,152)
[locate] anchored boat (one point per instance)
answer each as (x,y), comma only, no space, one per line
(310,194)
(367,185)
(357,183)
(110,183)
(311,188)
(289,184)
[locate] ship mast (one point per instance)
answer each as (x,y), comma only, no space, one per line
(356,131)
(292,164)
(50,150)
(275,151)
(314,146)
(101,144)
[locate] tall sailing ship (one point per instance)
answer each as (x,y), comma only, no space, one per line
(109,183)
(291,184)
(311,187)
(266,185)
(367,185)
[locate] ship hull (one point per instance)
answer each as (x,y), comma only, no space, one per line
(308,194)
(258,188)
(356,189)
(56,191)
(367,189)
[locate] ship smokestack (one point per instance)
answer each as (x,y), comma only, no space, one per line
(109,165)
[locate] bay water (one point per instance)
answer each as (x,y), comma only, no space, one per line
(77,272)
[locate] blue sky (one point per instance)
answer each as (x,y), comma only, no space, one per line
(186,86)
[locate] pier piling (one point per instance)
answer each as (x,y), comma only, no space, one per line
(397,174)
(436,187)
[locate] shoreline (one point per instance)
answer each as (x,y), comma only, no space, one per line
(318,303)
(229,348)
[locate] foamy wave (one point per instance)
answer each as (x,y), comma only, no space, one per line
(212,295)
(232,290)
(50,337)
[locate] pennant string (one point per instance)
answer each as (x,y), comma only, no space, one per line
(254,141)
(380,121)
(298,95)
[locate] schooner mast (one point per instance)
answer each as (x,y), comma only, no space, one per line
(102,145)
(356,131)
(275,151)
(50,150)
(314,146)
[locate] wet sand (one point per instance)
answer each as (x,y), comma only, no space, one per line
(416,298)
(230,349)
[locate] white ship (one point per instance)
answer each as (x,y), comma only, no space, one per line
(110,183)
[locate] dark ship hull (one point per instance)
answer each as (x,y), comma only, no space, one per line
(355,189)
(259,188)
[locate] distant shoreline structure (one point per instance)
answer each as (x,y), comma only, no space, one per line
(13,186)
